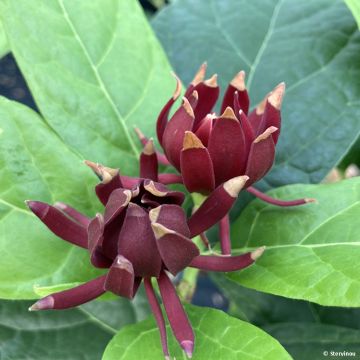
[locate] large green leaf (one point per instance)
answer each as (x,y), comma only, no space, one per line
(59,335)
(312,251)
(94,68)
(218,336)
(4,46)
(314,46)
(36,164)
(306,330)
(354,6)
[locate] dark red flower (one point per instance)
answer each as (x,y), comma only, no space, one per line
(143,234)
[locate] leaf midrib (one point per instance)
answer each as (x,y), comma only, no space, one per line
(98,77)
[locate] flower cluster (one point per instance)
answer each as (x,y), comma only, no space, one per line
(143,234)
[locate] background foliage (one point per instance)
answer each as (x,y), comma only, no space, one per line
(99,70)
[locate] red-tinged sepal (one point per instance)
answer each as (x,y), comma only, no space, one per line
(176,315)
(236,88)
(176,250)
(204,130)
(164,194)
(163,116)
(117,202)
(137,242)
(95,243)
(261,156)
(247,129)
(227,147)
(216,206)
(120,279)
(149,162)
(208,92)
(196,165)
(73,213)
(173,137)
(226,263)
(278,202)
(272,115)
(156,310)
(73,297)
(59,223)
(171,216)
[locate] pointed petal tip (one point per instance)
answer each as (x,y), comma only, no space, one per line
(234,185)
(228,114)
(238,81)
(260,108)
(200,75)
(187,107)
(45,303)
(177,91)
(277,95)
(106,174)
(191,141)
(188,347)
(266,134)
(149,148)
(212,82)
(160,230)
(311,200)
(37,207)
(139,133)
(257,253)
(154,214)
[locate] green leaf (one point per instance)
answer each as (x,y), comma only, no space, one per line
(98,71)
(217,336)
(311,45)
(312,250)
(354,6)
(4,46)
(306,330)
(59,335)
(36,164)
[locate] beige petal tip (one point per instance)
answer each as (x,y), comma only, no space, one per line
(260,108)
(191,141)
(160,230)
(310,200)
(234,185)
(177,91)
(238,81)
(257,253)
(277,95)
(139,133)
(187,107)
(200,75)
(154,214)
(105,173)
(211,82)
(266,134)
(149,148)
(228,114)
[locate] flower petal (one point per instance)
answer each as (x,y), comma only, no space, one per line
(226,263)
(164,194)
(156,310)
(120,278)
(176,314)
(103,190)
(163,116)
(171,216)
(95,243)
(73,213)
(216,206)
(60,224)
(227,147)
(117,202)
(196,165)
(205,127)
(72,297)
(137,242)
(237,88)
(149,162)
(261,156)
(173,137)
(175,250)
